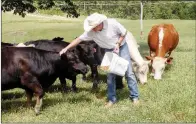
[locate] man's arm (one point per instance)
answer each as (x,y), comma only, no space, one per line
(72,44)
(121,39)
(120,30)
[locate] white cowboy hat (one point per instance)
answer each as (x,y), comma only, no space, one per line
(93,20)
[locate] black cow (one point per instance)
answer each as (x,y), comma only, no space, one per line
(35,70)
(85,55)
(86,52)
(3,44)
(98,56)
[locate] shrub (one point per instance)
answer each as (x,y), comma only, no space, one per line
(151,10)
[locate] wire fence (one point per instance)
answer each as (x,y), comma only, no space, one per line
(86,4)
(132,10)
(138,10)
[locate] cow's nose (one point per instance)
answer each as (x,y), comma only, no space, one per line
(143,82)
(157,78)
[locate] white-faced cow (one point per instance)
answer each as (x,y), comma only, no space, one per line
(140,66)
(162,40)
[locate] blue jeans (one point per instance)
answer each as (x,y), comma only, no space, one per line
(129,75)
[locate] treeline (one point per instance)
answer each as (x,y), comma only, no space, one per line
(131,9)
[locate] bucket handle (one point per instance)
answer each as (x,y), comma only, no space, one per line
(115,53)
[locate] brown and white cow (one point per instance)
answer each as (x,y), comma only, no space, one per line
(162,40)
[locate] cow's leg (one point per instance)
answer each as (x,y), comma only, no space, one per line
(29,94)
(63,83)
(152,54)
(38,104)
(32,83)
(95,76)
(74,88)
(119,82)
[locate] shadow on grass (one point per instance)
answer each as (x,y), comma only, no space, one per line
(121,94)
(12,105)
(71,100)
(58,88)
(143,49)
(16,104)
(179,49)
(101,78)
(168,67)
(55,88)
(9,96)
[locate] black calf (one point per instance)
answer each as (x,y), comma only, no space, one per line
(34,70)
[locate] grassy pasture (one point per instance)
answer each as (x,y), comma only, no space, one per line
(172,99)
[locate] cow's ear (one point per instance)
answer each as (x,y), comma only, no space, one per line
(169,60)
(64,56)
(149,57)
(80,47)
(94,50)
(134,65)
(58,39)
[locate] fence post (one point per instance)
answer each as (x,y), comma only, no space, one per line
(141,20)
(84,6)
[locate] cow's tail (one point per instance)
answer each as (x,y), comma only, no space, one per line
(161,36)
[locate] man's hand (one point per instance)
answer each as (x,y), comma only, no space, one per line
(63,51)
(116,49)
(71,45)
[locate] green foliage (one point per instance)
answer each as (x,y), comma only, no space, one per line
(70,9)
(45,4)
(52,11)
(18,6)
(131,9)
(22,7)
(155,9)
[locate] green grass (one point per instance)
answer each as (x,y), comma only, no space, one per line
(172,99)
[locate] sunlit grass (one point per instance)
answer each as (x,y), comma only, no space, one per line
(172,99)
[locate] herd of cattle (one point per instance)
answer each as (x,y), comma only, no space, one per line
(36,66)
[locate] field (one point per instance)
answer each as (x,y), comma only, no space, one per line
(172,99)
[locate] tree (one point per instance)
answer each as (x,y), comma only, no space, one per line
(22,7)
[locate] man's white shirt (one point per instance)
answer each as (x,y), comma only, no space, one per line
(108,36)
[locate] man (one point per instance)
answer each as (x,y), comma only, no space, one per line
(109,34)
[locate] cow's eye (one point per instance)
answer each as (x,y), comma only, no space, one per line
(141,72)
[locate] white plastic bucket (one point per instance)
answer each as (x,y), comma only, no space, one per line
(112,63)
